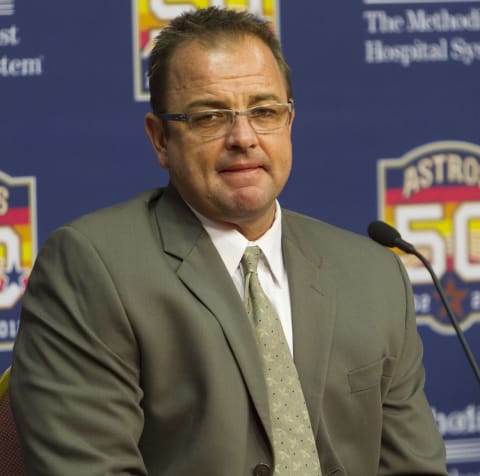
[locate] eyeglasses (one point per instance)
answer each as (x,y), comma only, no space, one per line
(219,122)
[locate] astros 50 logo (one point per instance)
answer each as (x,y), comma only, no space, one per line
(18,243)
(432,195)
(150,16)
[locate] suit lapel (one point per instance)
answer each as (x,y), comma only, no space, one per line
(194,255)
(312,296)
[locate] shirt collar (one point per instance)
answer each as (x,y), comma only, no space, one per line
(231,244)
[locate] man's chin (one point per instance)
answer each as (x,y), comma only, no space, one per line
(251,207)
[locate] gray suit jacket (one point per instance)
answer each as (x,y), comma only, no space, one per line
(135,355)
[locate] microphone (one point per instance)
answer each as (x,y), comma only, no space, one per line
(386,235)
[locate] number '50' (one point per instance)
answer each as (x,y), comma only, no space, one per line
(168,10)
(463,243)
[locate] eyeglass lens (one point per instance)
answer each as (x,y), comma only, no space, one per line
(218,122)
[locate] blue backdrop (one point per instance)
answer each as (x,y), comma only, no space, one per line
(387,126)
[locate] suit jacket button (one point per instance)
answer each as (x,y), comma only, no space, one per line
(262,469)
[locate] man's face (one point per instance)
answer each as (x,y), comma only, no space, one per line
(233,179)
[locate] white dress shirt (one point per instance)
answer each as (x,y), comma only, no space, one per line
(231,245)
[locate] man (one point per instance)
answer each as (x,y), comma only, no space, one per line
(136,354)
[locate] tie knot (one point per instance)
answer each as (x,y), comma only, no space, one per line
(250,259)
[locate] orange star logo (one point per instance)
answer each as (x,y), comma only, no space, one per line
(455,297)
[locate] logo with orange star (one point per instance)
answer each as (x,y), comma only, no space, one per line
(150,16)
(432,196)
(18,243)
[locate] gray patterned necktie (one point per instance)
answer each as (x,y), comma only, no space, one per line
(294,444)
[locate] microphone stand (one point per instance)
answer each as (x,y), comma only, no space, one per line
(408,248)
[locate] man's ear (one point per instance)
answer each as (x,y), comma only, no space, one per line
(156,133)
(293,116)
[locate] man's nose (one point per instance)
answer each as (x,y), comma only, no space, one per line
(242,134)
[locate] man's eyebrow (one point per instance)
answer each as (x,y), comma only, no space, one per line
(218,104)
(265,97)
(207,104)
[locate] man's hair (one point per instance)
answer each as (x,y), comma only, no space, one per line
(209,26)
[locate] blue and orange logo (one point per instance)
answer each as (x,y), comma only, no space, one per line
(432,196)
(150,16)
(18,244)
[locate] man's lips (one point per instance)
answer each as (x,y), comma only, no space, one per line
(242,175)
(242,168)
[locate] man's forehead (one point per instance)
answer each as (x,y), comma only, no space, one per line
(227,42)
(215,71)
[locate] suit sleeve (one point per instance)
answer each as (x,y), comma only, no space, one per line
(411,442)
(74,385)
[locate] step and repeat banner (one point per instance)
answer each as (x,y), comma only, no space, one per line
(387,97)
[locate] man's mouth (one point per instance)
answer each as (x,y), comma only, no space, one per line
(242,174)
(242,168)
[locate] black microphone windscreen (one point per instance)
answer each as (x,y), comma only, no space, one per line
(383,233)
